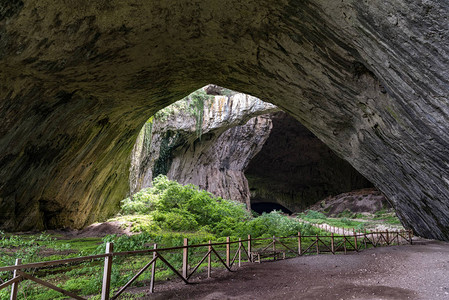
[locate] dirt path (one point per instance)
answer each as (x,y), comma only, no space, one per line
(330,228)
(348,232)
(400,272)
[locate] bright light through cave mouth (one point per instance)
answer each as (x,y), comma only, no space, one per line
(239,147)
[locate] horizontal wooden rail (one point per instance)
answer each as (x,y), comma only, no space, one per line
(146,251)
(354,240)
(52,262)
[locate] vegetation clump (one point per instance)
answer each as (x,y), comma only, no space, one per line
(164,214)
(171,207)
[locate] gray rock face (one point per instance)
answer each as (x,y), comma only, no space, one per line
(271,158)
(295,169)
(216,160)
(79,79)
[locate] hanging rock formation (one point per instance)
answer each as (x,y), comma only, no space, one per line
(78,79)
(283,161)
(233,131)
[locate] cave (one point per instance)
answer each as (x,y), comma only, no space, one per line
(294,169)
(267,207)
(79,79)
(243,149)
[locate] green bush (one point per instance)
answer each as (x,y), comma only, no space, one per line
(345,214)
(346,221)
(273,223)
(171,207)
(312,214)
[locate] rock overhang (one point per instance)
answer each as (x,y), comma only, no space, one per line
(78,79)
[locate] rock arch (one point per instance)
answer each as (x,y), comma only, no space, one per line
(78,79)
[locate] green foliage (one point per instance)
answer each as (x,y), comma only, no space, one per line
(311,214)
(141,202)
(172,206)
(163,114)
(193,104)
(148,134)
(274,223)
(198,99)
(164,214)
(345,214)
(228,92)
(349,214)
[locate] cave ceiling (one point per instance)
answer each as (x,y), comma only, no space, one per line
(79,78)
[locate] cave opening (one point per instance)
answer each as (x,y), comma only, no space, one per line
(238,147)
(267,207)
(295,169)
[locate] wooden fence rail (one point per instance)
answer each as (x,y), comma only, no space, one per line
(277,247)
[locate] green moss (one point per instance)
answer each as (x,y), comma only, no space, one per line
(168,144)
(198,99)
(193,104)
(148,135)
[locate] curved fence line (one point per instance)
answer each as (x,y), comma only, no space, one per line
(277,248)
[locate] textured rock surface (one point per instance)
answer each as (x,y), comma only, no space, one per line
(79,79)
(271,158)
(217,160)
(295,169)
(360,201)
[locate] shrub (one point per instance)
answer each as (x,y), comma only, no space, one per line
(312,214)
(170,206)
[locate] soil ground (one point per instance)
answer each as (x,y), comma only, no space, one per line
(419,271)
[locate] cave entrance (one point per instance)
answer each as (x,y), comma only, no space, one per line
(267,207)
(296,170)
(238,147)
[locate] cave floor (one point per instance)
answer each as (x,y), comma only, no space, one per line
(419,271)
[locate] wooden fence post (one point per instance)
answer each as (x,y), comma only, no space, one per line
(332,243)
(240,252)
(274,247)
(355,241)
(317,247)
(107,272)
(364,238)
(209,263)
(299,243)
(388,237)
(344,240)
(15,285)
(249,248)
(410,236)
(228,251)
(153,270)
(185,258)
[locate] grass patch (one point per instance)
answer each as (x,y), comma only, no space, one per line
(349,220)
(164,214)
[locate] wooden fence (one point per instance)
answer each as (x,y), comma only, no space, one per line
(255,251)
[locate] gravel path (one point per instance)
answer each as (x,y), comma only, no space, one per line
(419,271)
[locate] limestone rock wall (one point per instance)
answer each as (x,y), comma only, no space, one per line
(78,79)
(232,133)
(217,165)
(295,169)
(270,158)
